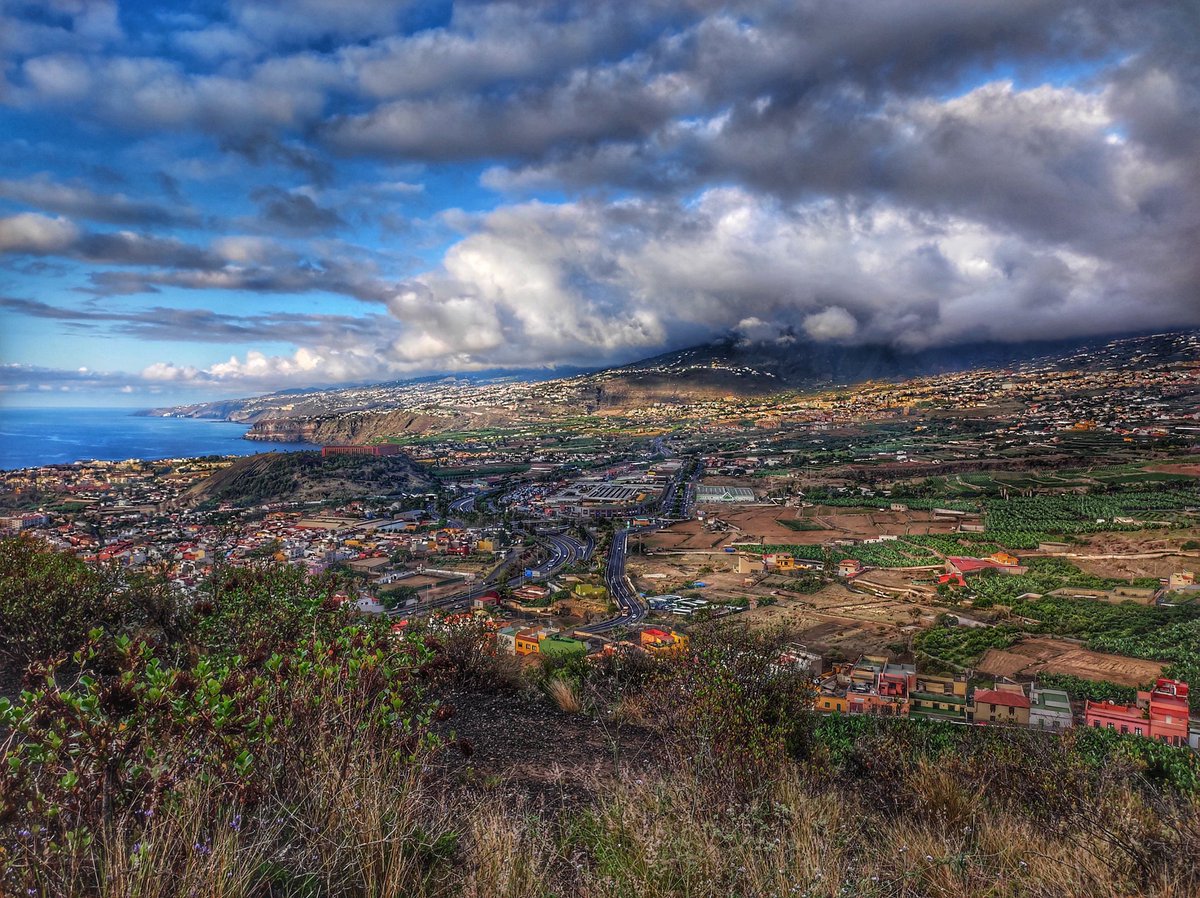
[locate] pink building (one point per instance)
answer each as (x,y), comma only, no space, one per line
(1161,713)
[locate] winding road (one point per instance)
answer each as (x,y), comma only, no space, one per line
(632,608)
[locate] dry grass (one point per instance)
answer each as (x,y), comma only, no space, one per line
(565,696)
(662,839)
(386,833)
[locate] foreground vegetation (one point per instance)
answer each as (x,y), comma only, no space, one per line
(268,743)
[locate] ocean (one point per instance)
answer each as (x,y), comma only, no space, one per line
(46,436)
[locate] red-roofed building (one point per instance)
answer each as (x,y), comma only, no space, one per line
(1168,707)
(489,599)
(966,566)
(1161,714)
(1001,706)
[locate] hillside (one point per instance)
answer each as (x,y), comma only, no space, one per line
(306,476)
(725,368)
(297,749)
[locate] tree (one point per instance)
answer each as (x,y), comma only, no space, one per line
(398,598)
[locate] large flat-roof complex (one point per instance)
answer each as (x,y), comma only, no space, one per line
(709,493)
(600,499)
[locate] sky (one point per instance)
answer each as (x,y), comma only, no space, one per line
(224,197)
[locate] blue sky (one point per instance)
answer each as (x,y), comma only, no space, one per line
(210,199)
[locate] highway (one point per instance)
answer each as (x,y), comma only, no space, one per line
(564,551)
(632,608)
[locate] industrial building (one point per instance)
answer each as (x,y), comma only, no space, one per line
(381,449)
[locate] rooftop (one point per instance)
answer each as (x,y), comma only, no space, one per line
(999,697)
(1050,699)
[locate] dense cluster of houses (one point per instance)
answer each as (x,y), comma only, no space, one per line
(876,684)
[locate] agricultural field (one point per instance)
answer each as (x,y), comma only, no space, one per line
(1038,655)
(891,554)
(957,648)
(971,544)
(1021,522)
(1169,635)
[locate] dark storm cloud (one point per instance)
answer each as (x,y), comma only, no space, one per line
(262,149)
(190,325)
(81,201)
(16,377)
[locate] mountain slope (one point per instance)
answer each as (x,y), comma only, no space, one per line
(723,368)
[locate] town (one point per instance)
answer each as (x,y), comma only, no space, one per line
(962,547)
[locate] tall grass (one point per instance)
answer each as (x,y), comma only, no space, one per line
(658,837)
(565,696)
(311,770)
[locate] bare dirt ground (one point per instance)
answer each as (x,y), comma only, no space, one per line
(419,581)
(822,632)
(476,564)
(840,522)
(1164,549)
(916,585)
(1030,656)
(1191,469)
(686,535)
(765,524)
(715,568)
(837,619)
(551,760)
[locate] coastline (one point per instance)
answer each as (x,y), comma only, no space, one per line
(31,437)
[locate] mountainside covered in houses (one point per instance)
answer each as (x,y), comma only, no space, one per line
(726,368)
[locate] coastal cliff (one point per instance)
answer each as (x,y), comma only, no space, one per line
(366,427)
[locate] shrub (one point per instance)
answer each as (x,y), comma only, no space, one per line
(50,601)
(565,696)
(117,734)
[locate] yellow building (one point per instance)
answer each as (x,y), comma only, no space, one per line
(833,704)
(527,642)
(1000,705)
(663,641)
(780,561)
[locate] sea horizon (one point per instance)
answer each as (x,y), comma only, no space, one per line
(31,437)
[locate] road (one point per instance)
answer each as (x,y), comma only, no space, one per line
(632,608)
(564,551)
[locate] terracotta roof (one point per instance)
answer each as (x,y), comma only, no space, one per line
(999,697)
(969,565)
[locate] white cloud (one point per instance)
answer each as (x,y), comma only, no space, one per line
(29,232)
(834,323)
